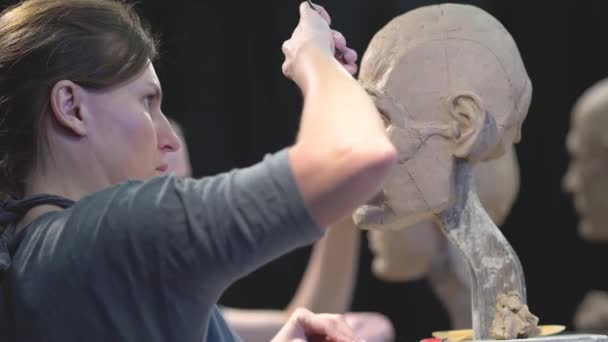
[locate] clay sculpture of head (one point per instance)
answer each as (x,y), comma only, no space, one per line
(450,84)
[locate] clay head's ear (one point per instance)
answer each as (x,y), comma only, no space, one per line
(477,136)
(66,102)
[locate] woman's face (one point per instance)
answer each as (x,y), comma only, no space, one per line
(130,136)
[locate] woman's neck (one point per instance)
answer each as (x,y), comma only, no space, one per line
(72,184)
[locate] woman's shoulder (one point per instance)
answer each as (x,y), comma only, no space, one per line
(98,230)
(95,219)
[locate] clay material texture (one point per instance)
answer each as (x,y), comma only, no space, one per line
(450,84)
(513,320)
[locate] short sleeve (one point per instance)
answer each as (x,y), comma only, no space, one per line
(205,232)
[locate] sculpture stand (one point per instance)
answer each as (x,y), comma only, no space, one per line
(492,263)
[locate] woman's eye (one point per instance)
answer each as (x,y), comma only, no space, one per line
(148,100)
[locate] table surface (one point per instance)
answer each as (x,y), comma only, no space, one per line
(561,338)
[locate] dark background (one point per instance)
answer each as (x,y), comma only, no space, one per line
(220,69)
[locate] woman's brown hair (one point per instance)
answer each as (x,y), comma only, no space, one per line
(94,43)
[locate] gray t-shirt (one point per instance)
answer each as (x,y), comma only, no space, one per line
(147,261)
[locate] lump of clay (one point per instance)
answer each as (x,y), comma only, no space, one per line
(513,319)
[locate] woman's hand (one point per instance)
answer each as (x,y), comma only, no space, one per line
(304,325)
(373,327)
(313,31)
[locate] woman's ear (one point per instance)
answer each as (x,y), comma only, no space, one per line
(66,102)
(477,134)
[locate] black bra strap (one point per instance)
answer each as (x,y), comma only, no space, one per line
(11,211)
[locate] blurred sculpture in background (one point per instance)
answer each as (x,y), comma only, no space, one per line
(587,181)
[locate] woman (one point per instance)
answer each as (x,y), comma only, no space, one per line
(121,251)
